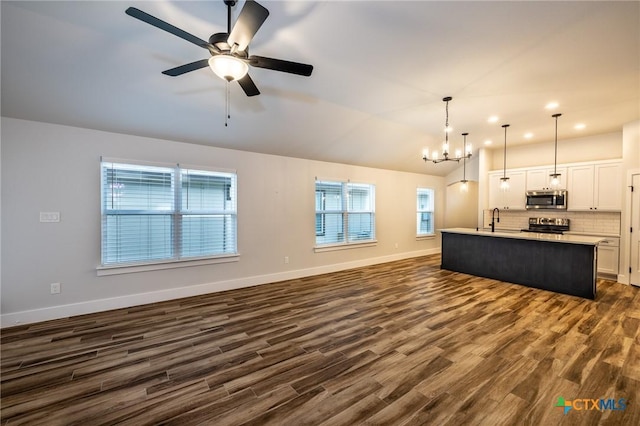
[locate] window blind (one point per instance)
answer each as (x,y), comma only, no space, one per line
(208,212)
(345,212)
(153,213)
(424,217)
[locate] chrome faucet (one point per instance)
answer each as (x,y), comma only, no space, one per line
(493,219)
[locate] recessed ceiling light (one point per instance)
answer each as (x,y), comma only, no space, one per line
(528,135)
(493,119)
(579,126)
(488,142)
(552,105)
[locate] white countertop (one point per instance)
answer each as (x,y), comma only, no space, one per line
(565,238)
(592,234)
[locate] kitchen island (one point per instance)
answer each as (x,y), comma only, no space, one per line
(561,263)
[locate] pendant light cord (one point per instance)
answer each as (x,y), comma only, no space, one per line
(464,169)
(504,173)
(464,159)
(555,158)
(446,123)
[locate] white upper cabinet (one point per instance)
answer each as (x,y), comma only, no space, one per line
(595,187)
(580,189)
(590,186)
(511,199)
(608,186)
(540,178)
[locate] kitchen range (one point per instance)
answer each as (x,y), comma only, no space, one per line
(547,225)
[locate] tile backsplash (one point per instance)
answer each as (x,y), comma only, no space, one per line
(598,222)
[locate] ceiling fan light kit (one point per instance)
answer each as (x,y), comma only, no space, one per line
(228,67)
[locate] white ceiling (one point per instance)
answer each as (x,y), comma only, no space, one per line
(381,69)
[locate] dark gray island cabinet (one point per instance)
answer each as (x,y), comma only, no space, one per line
(561,263)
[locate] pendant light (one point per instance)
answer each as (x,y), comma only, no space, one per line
(504,180)
(555,181)
(459,155)
(464,187)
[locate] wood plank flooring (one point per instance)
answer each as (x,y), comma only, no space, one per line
(401,343)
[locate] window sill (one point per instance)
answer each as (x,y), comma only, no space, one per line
(146,267)
(344,246)
(425,237)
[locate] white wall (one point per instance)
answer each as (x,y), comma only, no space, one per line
(593,148)
(461,206)
(630,164)
(48,167)
(471,172)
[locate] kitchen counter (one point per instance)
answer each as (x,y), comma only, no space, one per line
(593,234)
(564,238)
(561,263)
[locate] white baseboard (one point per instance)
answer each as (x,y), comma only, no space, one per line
(100,305)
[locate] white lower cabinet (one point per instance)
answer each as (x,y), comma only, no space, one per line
(608,256)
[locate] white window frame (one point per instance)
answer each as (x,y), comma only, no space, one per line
(345,210)
(178,213)
(425,209)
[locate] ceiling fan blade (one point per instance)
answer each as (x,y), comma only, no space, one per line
(249,22)
(183,69)
(280,65)
(158,23)
(248,86)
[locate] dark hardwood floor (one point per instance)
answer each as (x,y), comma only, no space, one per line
(392,344)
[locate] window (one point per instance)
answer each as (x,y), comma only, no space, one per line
(345,212)
(157,214)
(424,218)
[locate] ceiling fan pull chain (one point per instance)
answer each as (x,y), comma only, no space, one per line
(227,110)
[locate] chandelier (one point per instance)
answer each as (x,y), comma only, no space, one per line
(434,157)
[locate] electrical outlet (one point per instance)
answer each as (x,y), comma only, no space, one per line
(286,259)
(49,217)
(55,288)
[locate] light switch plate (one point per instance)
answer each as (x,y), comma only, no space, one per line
(49,217)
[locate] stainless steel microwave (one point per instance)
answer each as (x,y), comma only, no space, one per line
(546,199)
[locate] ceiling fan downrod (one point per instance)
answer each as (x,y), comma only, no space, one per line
(229,4)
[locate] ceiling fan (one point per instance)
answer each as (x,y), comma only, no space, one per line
(229,51)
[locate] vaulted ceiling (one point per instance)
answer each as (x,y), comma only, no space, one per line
(381,69)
